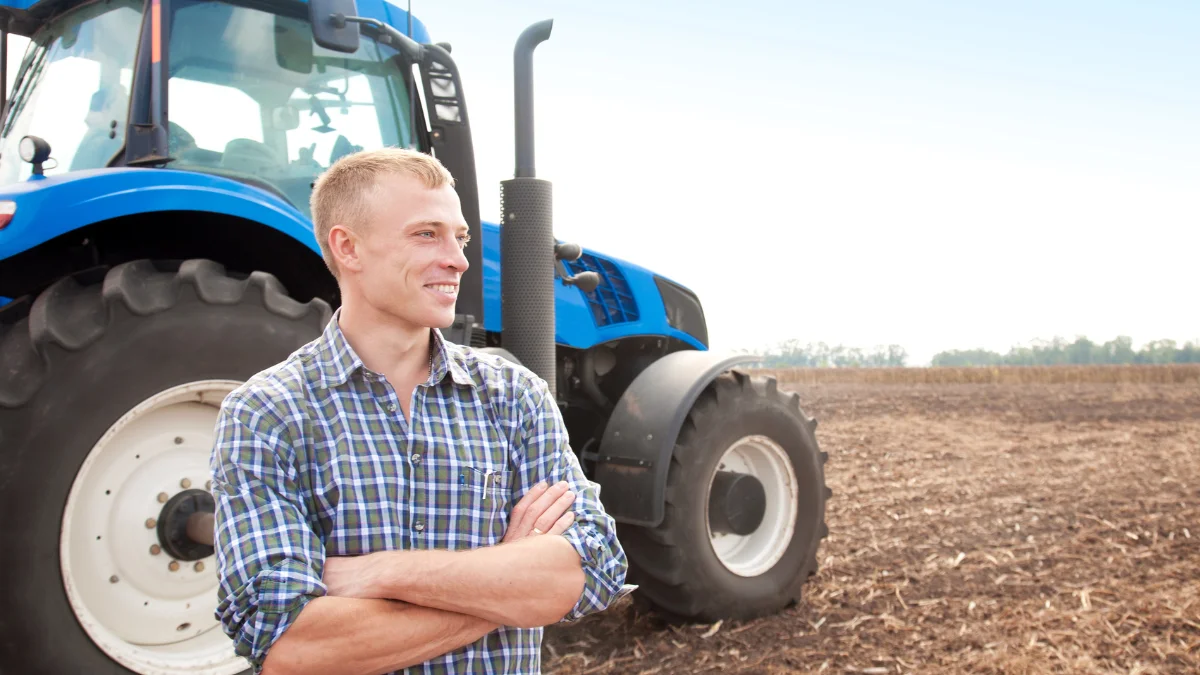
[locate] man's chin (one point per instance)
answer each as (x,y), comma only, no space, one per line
(439,320)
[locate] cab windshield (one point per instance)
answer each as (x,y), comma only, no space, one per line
(250,95)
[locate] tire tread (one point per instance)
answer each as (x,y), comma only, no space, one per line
(21,366)
(72,313)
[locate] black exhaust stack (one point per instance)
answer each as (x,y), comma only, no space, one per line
(527,251)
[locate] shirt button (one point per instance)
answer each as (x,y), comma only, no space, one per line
(420,527)
(416,458)
(391,407)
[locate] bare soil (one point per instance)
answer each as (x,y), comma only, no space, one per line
(974,528)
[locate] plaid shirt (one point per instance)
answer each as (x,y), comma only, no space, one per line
(313,457)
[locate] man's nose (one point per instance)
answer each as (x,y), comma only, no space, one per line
(457,258)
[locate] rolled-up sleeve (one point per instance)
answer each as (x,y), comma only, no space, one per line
(548,456)
(269,560)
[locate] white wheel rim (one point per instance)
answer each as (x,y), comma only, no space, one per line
(145,616)
(753,554)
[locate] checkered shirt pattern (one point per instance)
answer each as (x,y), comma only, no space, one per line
(313,457)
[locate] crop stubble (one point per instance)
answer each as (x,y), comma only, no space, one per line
(975,528)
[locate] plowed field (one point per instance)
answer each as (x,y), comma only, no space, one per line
(975,528)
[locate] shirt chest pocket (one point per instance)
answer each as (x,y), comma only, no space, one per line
(486,486)
(484,501)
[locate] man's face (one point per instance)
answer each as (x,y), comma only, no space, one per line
(408,260)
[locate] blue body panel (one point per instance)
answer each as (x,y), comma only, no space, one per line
(24,5)
(382,10)
(51,206)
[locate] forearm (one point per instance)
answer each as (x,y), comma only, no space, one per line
(527,583)
(352,636)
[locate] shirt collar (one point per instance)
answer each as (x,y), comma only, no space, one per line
(337,361)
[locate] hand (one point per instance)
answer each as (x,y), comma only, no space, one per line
(350,576)
(543,510)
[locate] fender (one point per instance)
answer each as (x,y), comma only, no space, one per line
(52,206)
(638,440)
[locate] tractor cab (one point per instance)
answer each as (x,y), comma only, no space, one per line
(251,95)
(203,99)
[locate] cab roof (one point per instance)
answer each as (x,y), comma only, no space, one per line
(28,15)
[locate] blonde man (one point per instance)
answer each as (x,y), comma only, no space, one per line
(387,501)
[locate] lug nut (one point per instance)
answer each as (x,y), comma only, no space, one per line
(150,523)
(185,483)
(155,549)
(174,566)
(199,567)
(162,498)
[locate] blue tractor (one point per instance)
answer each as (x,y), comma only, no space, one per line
(156,160)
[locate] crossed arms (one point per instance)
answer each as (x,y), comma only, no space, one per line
(392,609)
(291,610)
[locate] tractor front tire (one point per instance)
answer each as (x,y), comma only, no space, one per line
(748,451)
(108,400)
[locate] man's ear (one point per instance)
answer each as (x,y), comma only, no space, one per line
(343,244)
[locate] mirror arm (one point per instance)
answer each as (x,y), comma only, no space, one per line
(411,48)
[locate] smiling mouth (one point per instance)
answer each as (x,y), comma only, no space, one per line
(448,289)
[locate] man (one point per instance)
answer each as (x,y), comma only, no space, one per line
(386,500)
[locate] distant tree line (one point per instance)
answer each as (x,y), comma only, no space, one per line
(792,354)
(1080,352)
(1058,351)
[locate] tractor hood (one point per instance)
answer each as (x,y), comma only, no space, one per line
(630,301)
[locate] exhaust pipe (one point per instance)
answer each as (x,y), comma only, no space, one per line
(527,253)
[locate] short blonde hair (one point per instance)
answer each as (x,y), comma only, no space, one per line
(343,193)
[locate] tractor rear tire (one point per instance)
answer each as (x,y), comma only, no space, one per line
(743,425)
(110,389)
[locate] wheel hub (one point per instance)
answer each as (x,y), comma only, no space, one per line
(737,503)
(173,525)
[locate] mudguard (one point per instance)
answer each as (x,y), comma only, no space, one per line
(52,206)
(639,439)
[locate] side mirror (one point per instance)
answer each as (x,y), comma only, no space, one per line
(329,26)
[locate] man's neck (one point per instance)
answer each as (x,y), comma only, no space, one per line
(395,348)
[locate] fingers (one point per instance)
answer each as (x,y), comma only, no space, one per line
(562,523)
(539,506)
(549,517)
(521,510)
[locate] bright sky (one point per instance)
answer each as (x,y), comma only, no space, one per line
(918,173)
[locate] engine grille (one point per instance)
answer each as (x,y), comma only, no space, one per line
(612,302)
